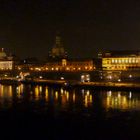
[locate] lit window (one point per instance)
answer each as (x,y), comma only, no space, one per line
(79,68)
(67,68)
(119,61)
(133,60)
(112,60)
(86,67)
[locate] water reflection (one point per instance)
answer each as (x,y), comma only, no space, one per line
(121,100)
(5,96)
(61,99)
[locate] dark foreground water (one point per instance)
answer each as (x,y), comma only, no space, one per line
(50,113)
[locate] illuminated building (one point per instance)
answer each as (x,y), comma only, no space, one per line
(70,65)
(30,63)
(6,62)
(57,51)
(121,60)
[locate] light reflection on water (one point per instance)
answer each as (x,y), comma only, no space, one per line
(63,99)
(121,100)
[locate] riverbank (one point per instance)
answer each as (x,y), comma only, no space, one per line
(70,84)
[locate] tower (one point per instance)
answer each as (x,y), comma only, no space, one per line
(57,51)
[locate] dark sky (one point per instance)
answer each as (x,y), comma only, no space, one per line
(28,27)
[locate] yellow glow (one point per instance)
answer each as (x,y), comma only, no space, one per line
(73,97)
(40,89)
(46,94)
(86,67)
(90,67)
(10,91)
(56,95)
(36,92)
(120,63)
(64,62)
(74,68)
(87,92)
(61,91)
(91,99)
(67,68)
(67,95)
(79,68)
(86,101)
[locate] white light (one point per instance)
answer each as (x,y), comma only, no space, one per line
(62,78)
(119,80)
(130,94)
(40,77)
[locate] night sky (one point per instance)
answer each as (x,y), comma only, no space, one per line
(28,27)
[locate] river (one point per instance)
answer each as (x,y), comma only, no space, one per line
(52,113)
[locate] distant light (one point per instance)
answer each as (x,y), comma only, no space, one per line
(17,76)
(130,94)
(40,77)
(109,93)
(62,78)
(24,61)
(119,80)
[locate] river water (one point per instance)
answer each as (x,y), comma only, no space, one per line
(52,113)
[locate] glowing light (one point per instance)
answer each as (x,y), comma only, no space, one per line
(73,97)
(46,94)
(119,80)
(62,91)
(36,92)
(67,68)
(62,78)
(109,93)
(130,94)
(40,89)
(56,95)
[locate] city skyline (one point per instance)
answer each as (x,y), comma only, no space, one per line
(28,28)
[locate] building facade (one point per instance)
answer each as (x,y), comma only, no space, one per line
(6,62)
(70,65)
(121,61)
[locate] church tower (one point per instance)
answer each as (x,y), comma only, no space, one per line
(58,51)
